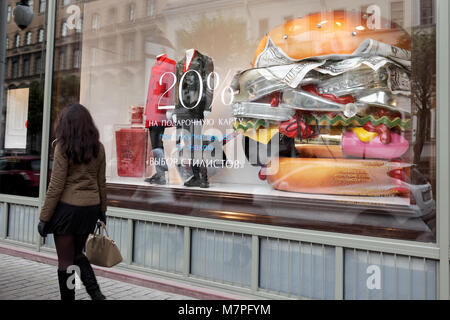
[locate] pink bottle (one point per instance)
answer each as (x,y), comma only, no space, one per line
(375,149)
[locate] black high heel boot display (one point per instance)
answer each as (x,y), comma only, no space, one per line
(204,177)
(156,179)
(66,293)
(194,181)
(88,278)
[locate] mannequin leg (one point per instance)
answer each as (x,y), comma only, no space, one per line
(158,155)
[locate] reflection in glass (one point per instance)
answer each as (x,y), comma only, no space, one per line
(115,53)
(28,38)
(21,107)
(42,5)
(41,35)
(17,40)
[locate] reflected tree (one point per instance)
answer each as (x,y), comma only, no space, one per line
(34,122)
(423,85)
(66,90)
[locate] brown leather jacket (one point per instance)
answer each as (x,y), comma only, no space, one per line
(75,184)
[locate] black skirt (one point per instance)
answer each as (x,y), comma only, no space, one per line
(77,220)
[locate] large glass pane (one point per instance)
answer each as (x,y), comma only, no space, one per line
(315,114)
(21,100)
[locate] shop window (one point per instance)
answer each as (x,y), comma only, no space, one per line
(276,119)
(22,92)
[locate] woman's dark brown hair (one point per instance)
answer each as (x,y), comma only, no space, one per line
(77,135)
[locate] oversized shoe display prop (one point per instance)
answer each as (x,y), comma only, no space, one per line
(340,177)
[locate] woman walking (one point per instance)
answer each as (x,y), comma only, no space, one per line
(76,197)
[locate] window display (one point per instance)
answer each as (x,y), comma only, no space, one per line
(330,110)
(347,96)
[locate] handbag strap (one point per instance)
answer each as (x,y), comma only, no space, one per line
(102,229)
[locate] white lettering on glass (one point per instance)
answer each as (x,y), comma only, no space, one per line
(201,89)
(231,95)
(216,83)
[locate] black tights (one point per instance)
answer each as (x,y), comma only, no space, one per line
(69,248)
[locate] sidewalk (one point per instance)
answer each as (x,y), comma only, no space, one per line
(22,279)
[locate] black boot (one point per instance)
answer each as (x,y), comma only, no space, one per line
(88,278)
(66,293)
(194,181)
(204,177)
(156,179)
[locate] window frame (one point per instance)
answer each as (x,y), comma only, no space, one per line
(15,69)
(62,60)
(79,26)
(41,35)
(26,66)
(17,40)
(64,29)
(95,21)
(28,38)
(31,4)
(150,10)
(424,20)
(42,6)
(132,12)
(38,64)
(9,14)
(402,2)
(76,59)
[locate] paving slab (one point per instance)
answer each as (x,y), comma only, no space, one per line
(29,280)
